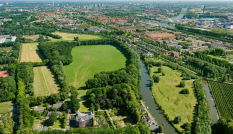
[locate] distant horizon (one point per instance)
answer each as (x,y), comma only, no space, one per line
(116,1)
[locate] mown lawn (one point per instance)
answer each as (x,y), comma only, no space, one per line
(89,60)
(30,53)
(44,83)
(167,95)
(6,107)
(84,107)
(70,36)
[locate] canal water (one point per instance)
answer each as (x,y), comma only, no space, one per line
(150,102)
(147,95)
(183,12)
(213,109)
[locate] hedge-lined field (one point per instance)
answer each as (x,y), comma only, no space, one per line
(44,83)
(70,36)
(223,97)
(89,60)
(30,53)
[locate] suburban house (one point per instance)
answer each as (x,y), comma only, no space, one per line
(57,105)
(153,128)
(40,109)
(50,112)
(84,119)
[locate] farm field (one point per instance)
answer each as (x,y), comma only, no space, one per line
(6,107)
(167,94)
(70,36)
(223,97)
(30,53)
(44,83)
(89,60)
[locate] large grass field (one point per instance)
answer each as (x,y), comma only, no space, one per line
(6,107)
(223,97)
(89,60)
(30,53)
(44,83)
(167,94)
(70,36)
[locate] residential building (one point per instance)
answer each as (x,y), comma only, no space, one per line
(84,119)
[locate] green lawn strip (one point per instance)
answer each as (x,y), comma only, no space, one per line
(57,124)
(81,93)
(84,107)
(6,107)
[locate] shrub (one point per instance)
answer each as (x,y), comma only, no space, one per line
(177,119)
(157,79)
(160,70)
(159,64)
(185,91)
(151,83)
(182,84)
(160,129)
(163,73)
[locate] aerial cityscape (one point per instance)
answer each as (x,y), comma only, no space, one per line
(116,67)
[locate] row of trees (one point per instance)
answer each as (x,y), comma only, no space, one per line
(60,77)
(210,34)
(138,129)
(197,65)
(119,95)
(52,99)
(203,119)
(75,102)
(216,61)
(26,74)
(46,33)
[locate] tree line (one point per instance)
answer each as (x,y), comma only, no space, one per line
(204,56)
(199,66)
(209,34)
(137,129)
(203,121)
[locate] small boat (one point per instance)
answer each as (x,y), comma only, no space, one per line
(163,124)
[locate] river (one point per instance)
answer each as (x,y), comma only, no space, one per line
(213,110)
(162,24)
(147,95)
(150,102)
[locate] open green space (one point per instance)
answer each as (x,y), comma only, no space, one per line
(167,95)
(223,98)
(70,36)
(6,107)
(44,82)
(89,60)
(218,57)
(84,106)
(57,124)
